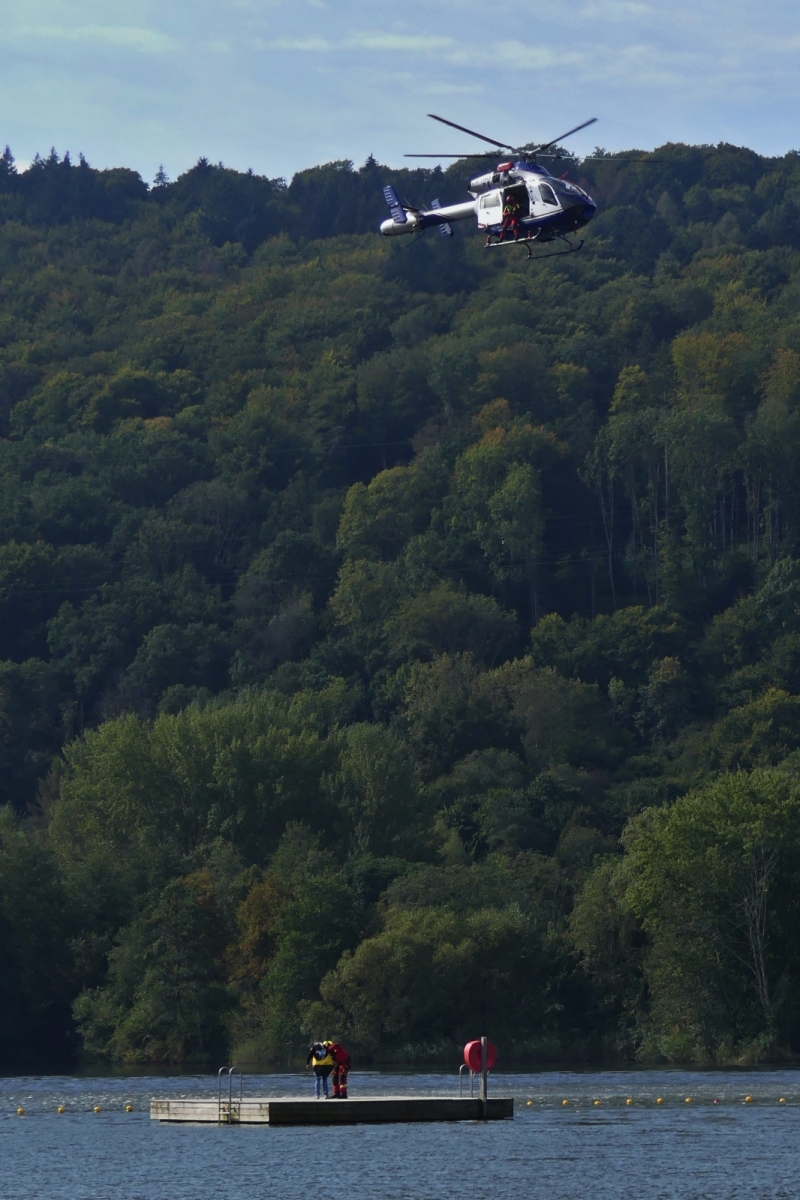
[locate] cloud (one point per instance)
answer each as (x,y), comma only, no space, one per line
(313,45)
(512,55)
(664,62)
(131,37)
(453,89)
(615,10)
(414,43)
(645,65)
(521,57)
(387,42)
(789,44)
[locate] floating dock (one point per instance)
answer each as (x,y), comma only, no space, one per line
(374,1110)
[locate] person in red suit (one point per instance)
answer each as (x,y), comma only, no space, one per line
(511,216)
(341,1067)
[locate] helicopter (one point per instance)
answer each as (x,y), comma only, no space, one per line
(546,208)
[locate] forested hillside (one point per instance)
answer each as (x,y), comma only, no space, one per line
(399,643)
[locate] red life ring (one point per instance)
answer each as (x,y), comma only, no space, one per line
(472,1056)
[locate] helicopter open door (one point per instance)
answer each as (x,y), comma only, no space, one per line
(490,209)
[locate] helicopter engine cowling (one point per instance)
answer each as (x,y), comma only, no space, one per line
(392,228)
(483,183)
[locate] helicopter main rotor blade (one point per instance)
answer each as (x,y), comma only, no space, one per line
(486,155)
(482,137)
(569,133)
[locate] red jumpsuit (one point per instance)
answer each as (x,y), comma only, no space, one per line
(341,1068)
(510,219)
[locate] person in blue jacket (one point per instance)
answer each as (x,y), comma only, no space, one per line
(323,1062)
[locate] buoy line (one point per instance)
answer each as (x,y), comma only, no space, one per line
(629,1102)
(62,1108)
(643,1102)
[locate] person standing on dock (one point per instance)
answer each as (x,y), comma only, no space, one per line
(341,1068)
(320,1057)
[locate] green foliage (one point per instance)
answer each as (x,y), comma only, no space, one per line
(431,976)
(620,645)
(455,948)
(447,621)
(35,924)
(155,795)
(378,801)
(293,927)
(714,882)
(165,995)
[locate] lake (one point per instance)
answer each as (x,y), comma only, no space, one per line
(582,1151)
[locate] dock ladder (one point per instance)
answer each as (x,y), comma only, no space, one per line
(464,1067)
(229,1112)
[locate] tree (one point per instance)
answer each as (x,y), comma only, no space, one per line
(497,493)
(166,997)
(434,976)
(293,927)
(36,981)
(448,621)
(713,880)
(8,168)
(381,810)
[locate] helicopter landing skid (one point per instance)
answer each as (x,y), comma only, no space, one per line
(527,242)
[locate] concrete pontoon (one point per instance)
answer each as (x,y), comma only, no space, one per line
(374,1110)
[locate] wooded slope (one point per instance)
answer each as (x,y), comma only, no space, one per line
(355,602)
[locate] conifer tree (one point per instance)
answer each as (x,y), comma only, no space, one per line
(8,168)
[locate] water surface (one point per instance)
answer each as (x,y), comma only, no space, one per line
(581,1151)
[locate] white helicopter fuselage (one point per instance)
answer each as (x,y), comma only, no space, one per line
(547,207)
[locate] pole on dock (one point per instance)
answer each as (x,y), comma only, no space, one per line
(484,1079)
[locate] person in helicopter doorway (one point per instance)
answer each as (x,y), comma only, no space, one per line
(341,1069)
(511,215)
(321,1059)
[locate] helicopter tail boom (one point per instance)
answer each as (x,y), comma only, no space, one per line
(405,219)
(449,212)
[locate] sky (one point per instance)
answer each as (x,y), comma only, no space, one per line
(280,85)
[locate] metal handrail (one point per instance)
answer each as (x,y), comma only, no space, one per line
(230,1072)
(464,1067)
(222,1071)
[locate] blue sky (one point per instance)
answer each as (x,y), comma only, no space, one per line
(278,85)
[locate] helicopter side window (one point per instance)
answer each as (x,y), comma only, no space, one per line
(547,193)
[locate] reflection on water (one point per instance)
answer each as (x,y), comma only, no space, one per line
(582,1151)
